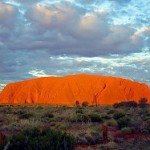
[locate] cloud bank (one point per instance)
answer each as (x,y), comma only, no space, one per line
(59,37)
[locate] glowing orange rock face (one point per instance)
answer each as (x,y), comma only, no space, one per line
(69,89)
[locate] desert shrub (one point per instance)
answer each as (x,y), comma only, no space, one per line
(79,110)
(97,137)
(82,118)
(89,138)
(148,125)
(25,116)
(125,104)
(146,118)
(118,115)
(126,130)
(85,104)
(52,124)
(2,144)
(92,140)
(111,111)
(106,117)
(39,107)
(95,117)
(111,122)
(145,114)
(35,139)
(6,111)
(63,127)
(20,112)
(109,146)
(138,143)
(143,102)
(123,122)
(48,115)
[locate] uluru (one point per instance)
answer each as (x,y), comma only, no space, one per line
(94,89)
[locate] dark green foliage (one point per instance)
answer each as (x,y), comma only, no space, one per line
(48,115)
(125,104)
(126,130)
(20,112)
(106,117)
(34,139)
(95,117)
(79,110)
(25,116)
(144,113)
(111,122)
(82,118)
(118,115)
(111,111)
(123,122)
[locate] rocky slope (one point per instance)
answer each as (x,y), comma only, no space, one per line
(67,90)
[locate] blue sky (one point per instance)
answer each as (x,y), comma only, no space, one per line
(61,37)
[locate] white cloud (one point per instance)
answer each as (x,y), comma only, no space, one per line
(79,36)
(134,66)
(37,73)
(2,86)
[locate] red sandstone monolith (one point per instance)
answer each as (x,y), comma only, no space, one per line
(96,90)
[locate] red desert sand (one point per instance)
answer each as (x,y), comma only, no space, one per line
(68,89)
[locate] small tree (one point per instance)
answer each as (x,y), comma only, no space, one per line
(77,103)
(123,122)
(85,103)
(143,102)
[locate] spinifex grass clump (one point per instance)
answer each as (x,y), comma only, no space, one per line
(94,117)
(47,139)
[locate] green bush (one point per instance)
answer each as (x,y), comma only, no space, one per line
(126,130)
(123,122)
(111,122)
(118,115)
(82,118)
(95,117)
(111,111)
(47,139)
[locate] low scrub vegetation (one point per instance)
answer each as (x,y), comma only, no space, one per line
(35,139)
(42,127)
(94,117)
